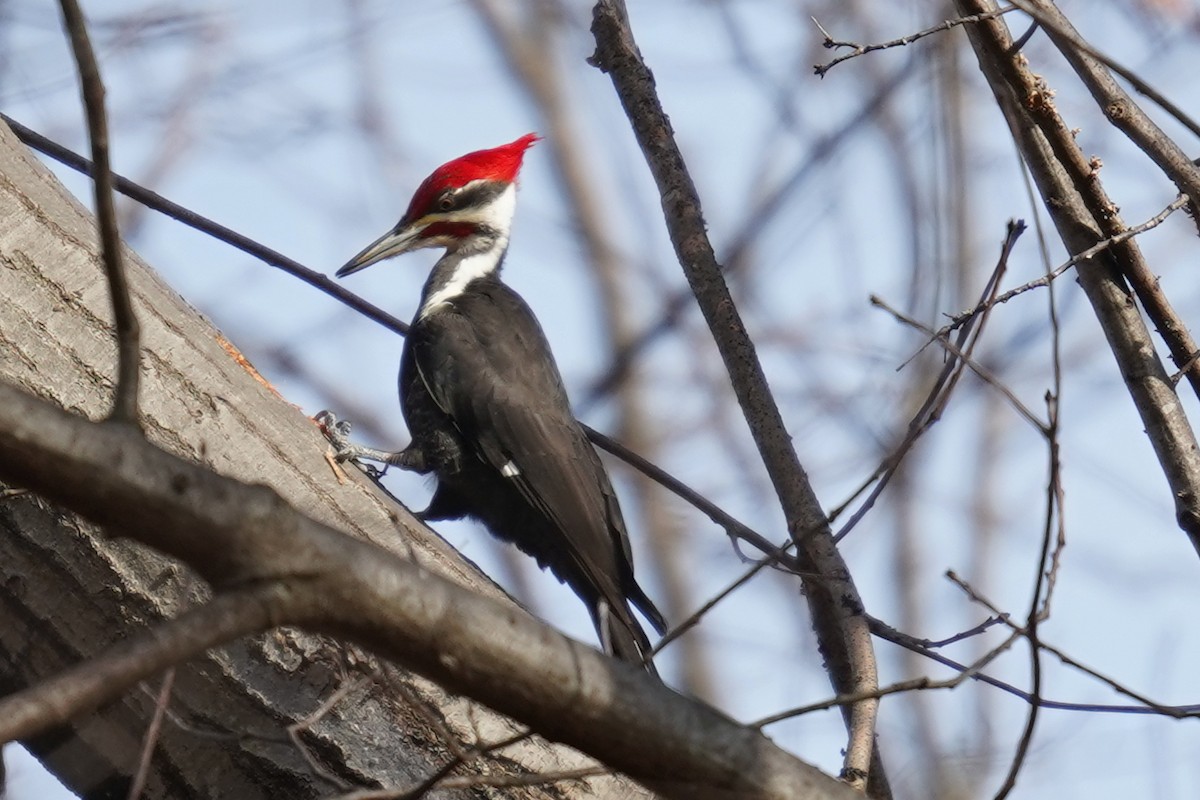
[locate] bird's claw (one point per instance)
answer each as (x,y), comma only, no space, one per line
(337,431)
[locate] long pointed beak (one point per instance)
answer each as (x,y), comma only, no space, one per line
(393,243)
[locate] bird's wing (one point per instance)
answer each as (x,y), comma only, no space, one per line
(488,366)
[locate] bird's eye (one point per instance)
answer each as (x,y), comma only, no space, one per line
(446,202)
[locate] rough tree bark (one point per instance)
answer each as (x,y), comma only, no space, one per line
(67,592)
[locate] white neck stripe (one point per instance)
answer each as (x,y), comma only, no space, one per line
(478,265)
(495,216)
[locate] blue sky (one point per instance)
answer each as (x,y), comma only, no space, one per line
(246,113)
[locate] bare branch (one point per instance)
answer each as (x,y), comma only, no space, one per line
(964,359)
(151,738)
(57,700)
(1079,258)
(1084,216)
(939,394)
(857,50)
(1037,610)
(1127,117)
(1147,705)
(683,626)
(917,684)
(125,399)
(1115,103)
(841,627)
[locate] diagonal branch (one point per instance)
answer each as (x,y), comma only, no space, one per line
(76,691)
(1087,62)
(856,49)
(199,222)
(1084,216)
(938,397)
(960,319)
(836,607)
(125,401)
(1128,117)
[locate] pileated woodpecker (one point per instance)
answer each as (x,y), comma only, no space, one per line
(486,407)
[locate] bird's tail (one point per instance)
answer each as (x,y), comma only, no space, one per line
(621,636)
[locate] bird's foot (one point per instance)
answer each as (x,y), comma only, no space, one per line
(338,433)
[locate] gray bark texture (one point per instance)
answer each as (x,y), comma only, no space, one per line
(67,591)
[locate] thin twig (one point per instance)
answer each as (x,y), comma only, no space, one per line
(150,741)
(958,320)
(939,394)
(694,619)
(301,726)
(1055,513)
(125,399)
(57,700)
(917,684)
(1146,706)
(1034,616)
(986,625)
(980,371)
(862,49)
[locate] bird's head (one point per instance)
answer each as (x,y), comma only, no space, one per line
(470,197)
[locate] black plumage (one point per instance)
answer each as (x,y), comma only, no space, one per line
(486,407)
(488,414)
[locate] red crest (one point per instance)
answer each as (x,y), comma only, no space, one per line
(497,164)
